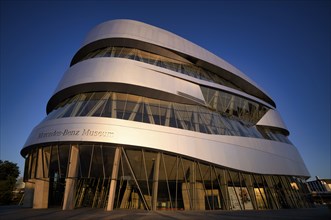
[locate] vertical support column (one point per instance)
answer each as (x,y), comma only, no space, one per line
(225,193)
(193,184)
(250,188)
(215,101)
(41,186)
(286,192)
(232,105)
(271,194)
(40,199)
(201,192)
(114,174)
(155,181)
(71,181)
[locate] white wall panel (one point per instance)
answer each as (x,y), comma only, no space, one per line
(246,154)
(117,70)
(273,119)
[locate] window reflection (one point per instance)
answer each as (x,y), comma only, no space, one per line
(236,118)
(182,183)
(186,68)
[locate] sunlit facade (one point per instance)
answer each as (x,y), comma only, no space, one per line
(144,119)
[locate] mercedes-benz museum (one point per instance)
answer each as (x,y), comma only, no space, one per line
(144,119)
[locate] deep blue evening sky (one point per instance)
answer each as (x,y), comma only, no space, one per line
(284,46)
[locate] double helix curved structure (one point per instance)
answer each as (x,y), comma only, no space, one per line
(146,119)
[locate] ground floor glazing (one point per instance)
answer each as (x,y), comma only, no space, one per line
(125,177)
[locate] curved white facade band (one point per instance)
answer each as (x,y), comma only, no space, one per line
(146,119)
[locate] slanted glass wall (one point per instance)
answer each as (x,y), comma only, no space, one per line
(232,115)
(154,180)
(186,68)
(233,105)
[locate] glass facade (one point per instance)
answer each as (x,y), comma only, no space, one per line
(233,106)
(90,171)
(186,67)
(228,114)
(154,180)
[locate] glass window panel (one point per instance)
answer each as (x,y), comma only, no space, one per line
(260,196)
(156,114)
(46,160)
(234,190)
(53,114)
(173,119)
(164,197)
(233,195)
(120,106)
(102,52)
(85,106)
(272,193)
(163,113)
(95,53)
(27,167)
(107,111)
(222,183)
(234,178)
(89,105)
(207,174)
(97,163)
(169,109)
(150,158)
(171,166)
(85,152)
(131,111)
(188,116)
(108,52)
(229,130)
(100,105)
(147,116)
(136,161)
(108,154)
(34,159)
(63,159)
(100,110)
(115,51)
(139,112)
(68,110)
(186,170)
(67,106)
(180,116)
(79,102)
(259,191)
(54,168)
(129,193)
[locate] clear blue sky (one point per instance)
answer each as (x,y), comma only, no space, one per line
(284,46)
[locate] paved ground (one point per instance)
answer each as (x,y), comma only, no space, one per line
(16,212)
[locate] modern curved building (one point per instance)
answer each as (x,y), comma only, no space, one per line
(144,119)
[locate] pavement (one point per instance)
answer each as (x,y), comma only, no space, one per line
(18,212)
